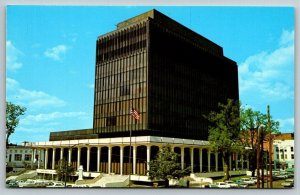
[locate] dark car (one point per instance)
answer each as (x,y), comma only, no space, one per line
(12,184)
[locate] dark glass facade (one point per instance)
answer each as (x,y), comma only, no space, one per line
(170,74)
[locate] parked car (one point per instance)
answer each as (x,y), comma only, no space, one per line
(12,184)
(56,185)
(282,176)
(231,184)
(253,179)
(248,181)
(28,183)
(288,183)
(241,184)
(222,185)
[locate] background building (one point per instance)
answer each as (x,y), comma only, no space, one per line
(20,157)
(284,154)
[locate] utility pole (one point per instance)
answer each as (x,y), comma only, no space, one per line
(258,156)
(270,148)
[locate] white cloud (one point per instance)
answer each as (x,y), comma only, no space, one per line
(56,52)
(32,99)
(286,124)
(11,84)
(287,37)
(270,74)
(34,119)
(38,99)
(12,57)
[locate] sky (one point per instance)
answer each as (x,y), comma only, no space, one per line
(50,59)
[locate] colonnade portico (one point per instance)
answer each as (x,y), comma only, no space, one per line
(111,155)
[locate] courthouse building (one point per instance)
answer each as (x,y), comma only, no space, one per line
(172,76)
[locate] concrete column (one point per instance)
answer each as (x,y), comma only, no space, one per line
(230,162)
(98,158)
(69,156)
(61,153)
(148,157)
(39,158)
(208,160)
(109,159)
(216,161)
(182,158)
(78,157)
(46,158)
(172,148)
(88,159)
(200,160)
(134,159)
(192,159)
(121,160)
(236,161)
(53,158)
(33,154)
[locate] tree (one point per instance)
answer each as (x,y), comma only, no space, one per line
(250,121)
(13,112)
(166,166)
(64,170)
(224,131)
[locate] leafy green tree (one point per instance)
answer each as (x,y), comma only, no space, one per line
(250,121)
(64,170)
(13,112)
(224,131)
(166,166)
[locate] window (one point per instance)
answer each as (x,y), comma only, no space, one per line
(27,157)
(18,157)
(277,156)
(124,90)
(111,121)
(292,156)
(292,149)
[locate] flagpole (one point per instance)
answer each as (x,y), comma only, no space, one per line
(130,166)
(136,117)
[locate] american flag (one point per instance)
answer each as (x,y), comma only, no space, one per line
(135,114)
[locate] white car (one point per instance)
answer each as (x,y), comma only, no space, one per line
(232,184)
(288,183)
(56,185)
(222,185)
(253,179)
(28,183)
(248,181)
